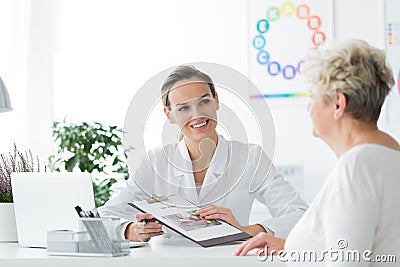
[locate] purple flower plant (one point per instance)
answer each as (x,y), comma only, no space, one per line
(14,162)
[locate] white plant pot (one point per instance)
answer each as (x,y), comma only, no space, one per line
(8,227)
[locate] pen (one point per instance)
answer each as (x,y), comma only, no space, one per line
(79,211)
(146,221)
(96,213)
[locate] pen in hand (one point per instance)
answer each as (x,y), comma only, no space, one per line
(146,221)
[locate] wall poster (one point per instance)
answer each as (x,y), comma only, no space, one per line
(392,25)
(280,34)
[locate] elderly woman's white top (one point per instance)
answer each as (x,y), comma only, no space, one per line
(357,208)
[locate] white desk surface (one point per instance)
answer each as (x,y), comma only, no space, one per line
(158,253)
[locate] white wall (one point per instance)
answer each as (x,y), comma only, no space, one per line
(123,44)
(102,51)
(105,50)
(7,74)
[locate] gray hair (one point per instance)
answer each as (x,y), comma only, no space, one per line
(357,70)
(183,73)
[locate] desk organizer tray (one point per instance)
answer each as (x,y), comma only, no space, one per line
(97,237)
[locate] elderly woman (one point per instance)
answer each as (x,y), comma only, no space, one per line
(355,215)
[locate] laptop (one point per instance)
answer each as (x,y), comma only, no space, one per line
(46,201)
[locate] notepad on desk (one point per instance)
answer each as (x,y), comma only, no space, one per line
(179,215)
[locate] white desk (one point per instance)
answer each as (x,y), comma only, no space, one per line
(159,252)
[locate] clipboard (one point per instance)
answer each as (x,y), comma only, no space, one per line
(178,214)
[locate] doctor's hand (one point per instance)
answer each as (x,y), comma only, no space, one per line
(266,245)
(144,228)
(213,212)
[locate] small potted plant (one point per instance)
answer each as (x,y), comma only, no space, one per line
(94,148)
(12,162)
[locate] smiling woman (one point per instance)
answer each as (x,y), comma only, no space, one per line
(191,102)
(222,177)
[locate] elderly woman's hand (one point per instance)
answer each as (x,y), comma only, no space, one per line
(265,244)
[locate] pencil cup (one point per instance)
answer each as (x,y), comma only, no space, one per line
(103,236)
(100,227)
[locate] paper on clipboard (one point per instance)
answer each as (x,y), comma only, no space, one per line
(179,215)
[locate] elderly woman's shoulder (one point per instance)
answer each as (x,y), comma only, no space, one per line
(371,157)
(366,166)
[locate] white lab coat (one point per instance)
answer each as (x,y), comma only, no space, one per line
(238,174)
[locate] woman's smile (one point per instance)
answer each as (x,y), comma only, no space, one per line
(200,125)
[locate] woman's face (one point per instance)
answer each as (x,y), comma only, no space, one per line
(193,109)
(321,115)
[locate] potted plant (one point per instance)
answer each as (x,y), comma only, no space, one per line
(12,162)
(94,148)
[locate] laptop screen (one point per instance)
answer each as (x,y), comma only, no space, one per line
(46,201)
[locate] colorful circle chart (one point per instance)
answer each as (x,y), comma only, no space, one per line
(273,15)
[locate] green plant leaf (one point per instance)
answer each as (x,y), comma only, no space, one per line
(91,147)
(71,163)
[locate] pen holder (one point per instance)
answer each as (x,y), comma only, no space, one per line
(96,237)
